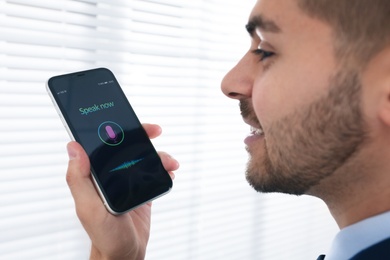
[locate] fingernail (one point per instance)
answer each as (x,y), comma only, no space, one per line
(71,152)
(176,166)
(176,162)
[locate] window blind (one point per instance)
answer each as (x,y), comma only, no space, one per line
(169,57)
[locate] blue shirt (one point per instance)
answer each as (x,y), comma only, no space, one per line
(359,236)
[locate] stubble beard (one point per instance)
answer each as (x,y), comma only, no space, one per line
(309,145)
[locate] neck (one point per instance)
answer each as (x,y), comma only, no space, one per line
(356,209)
(355,193)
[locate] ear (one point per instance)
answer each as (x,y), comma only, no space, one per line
(376,86)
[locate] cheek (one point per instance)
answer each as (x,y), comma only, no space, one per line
(276,97)
(266,101)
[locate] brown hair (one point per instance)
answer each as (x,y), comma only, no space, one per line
(361,27)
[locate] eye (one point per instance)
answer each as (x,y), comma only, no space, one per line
(263,54)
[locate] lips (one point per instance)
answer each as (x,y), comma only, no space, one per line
(256,134)
(250,118)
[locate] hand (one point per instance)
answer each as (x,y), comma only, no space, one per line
(113,237)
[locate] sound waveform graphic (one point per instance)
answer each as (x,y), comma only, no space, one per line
(126,165)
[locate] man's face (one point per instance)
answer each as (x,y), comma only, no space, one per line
(304,110)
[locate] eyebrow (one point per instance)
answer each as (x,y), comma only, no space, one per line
(259,22)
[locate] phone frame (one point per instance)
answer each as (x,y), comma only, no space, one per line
(71,135)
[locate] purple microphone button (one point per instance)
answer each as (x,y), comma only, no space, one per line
(110,132)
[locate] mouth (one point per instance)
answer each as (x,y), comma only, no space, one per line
(256,133)
(255,126)
(250,118)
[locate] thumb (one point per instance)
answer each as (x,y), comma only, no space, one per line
(79,179)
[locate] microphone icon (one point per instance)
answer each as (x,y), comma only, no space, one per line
(110,132)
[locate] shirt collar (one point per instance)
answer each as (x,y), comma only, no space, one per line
(353,239)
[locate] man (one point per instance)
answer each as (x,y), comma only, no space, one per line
(315,89)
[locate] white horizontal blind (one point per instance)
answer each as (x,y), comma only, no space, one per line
(169,56)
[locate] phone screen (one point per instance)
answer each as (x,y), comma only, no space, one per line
(124,163)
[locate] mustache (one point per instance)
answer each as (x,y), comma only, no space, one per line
(247,111)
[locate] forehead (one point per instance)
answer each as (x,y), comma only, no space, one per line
(276,7)
(286,15)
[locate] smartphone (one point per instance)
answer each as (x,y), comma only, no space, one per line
(125,167)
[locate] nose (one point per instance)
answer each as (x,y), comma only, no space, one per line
(238,82)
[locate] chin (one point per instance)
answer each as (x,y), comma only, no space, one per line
(264,178)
